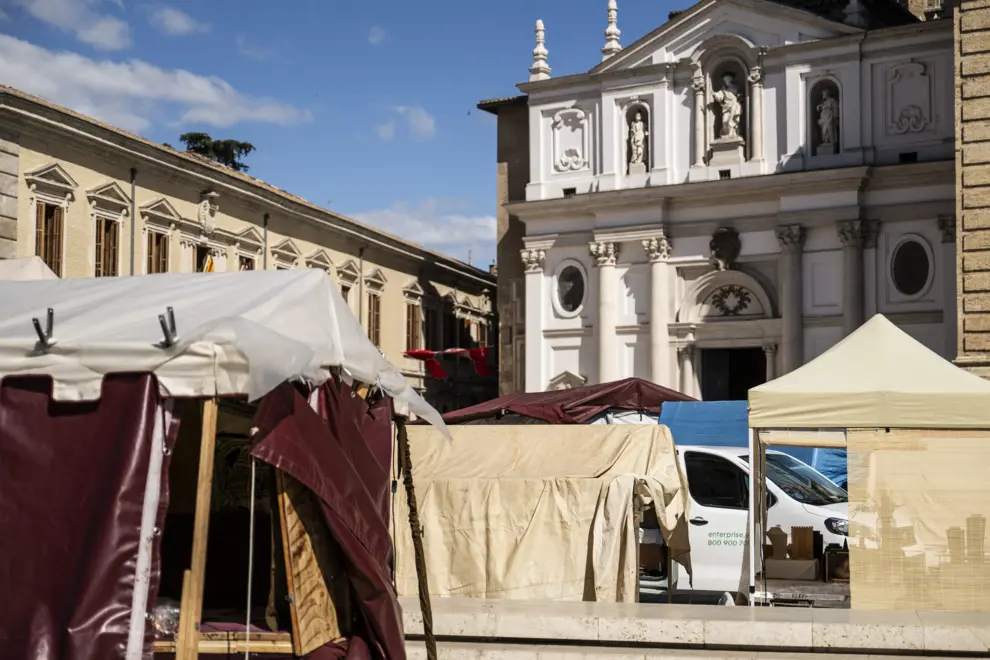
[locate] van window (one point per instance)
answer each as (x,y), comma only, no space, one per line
(714,481)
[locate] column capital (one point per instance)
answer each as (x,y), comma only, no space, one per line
(698,84)
(756,76)
(850,233)
(657,248)
(791,238)
(605,253)
(686,351)
(533,260)
(947,225)
(770,350)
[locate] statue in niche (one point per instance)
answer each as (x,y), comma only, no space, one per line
(637,144)
(729,100)
(828,123)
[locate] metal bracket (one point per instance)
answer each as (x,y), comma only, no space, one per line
(168,328)
(45,338)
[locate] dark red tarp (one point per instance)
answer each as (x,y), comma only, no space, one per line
(573,406)
(339,461)
(73,478)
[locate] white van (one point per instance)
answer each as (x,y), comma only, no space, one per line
(718,483)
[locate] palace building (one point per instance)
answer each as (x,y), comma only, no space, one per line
(728,197)
(93,200)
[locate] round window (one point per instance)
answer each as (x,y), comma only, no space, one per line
(570,289)
(910,267)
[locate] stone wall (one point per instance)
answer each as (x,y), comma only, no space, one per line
(972,60)
(9,163)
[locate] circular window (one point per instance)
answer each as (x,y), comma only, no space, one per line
(570,289)
(910,267)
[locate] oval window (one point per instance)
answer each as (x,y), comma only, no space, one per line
(910,267)
(570,289)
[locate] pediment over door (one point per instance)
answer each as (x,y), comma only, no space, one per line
(566,380)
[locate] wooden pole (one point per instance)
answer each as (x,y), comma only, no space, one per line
(417,539)
(188,647)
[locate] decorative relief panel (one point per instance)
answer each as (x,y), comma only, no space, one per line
(571,140)
(909,99)
(732,300)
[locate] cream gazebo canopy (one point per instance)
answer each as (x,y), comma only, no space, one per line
(877,377)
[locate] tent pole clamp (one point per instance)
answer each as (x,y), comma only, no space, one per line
(168,328)
(45,336)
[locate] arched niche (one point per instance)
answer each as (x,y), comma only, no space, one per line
(637,122)
(824,111)
(729,295)
(720,56)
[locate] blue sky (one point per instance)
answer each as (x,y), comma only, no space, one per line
(366,107)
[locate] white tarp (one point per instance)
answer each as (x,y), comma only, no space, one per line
(877,377)
(239,333)
(540,512)
(30,268)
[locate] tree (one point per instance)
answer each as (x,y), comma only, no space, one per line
(225,152)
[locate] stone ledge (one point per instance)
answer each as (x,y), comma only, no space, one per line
(745,629)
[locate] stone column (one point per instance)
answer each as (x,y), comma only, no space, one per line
(533,261)
(851,236)
(770,350)
(871,230)
(698,85)
(658,251)
(689,384)
(605,255)
(947,225)
(791,238)
(756,113)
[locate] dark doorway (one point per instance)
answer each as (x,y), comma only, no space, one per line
(727,374)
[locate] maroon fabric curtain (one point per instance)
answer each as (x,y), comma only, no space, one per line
(573,406)
(72,482)
(334,458)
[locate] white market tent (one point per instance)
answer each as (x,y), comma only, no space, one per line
(237,333)
(29,268)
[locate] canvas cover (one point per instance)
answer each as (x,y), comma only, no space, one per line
(538,512)
(877,377)
(29,268)
(572,406)
(238,333)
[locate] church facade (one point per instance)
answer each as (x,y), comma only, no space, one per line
(729,196)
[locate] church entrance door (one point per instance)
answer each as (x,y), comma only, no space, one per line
(727,374)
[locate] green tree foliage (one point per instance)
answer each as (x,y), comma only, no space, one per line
(226,152)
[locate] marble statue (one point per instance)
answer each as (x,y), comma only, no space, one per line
(828,118)
(637,140)
(729,101)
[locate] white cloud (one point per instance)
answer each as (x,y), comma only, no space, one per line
(134,94)
(442,225)
(253,51)
(421,123)
(376,35)
(82,17)
(175,23)
(386,131)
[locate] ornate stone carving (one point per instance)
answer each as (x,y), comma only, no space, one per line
(909,99)
(871,231)
(947,225)
(657,248)
(910,120)
(206,213)
(612,33)
(729,101)
(828,120)
(725,247)
(605,253)
(566,380)
(686,352)
(790,237)
(731,300)
(539,70)
(570,140)
(698,85)
(770,350)
(756,75)
(533,260)
(850,233)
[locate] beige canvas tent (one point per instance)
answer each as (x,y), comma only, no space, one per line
(915,427)
(538,512)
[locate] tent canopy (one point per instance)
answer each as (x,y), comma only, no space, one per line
(31,268)
(572,406)
(238,333)
(877,377)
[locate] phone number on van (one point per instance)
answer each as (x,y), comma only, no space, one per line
(726,539)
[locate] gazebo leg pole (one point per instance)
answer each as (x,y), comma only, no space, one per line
(417,539)
(753,464)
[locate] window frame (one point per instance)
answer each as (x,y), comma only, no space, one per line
(714,458)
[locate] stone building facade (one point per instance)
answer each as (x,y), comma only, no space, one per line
(972,86)
(93,200)
(729,196)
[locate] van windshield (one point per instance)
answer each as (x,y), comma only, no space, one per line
(802,482)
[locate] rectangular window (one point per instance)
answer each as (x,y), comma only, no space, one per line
(48,235)
(482,334)
(345,292)
(245,263)
(414,320)
(107,239)
(157,252)
(432,326)
(451,330)
(201,254)
(375,319)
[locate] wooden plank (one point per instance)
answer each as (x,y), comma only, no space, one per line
(186,629)
(296,641)
(315,570)
(226,643)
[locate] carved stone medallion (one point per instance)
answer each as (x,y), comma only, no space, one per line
(731,300)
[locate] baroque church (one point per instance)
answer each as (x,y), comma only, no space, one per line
(728,197)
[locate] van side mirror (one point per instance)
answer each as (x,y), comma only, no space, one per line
(771,500)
